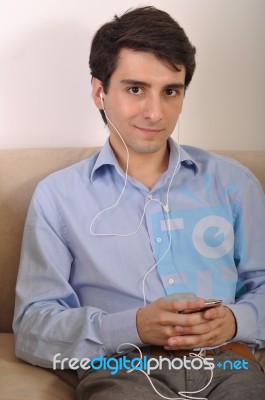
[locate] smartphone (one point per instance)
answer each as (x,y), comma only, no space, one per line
(208,304)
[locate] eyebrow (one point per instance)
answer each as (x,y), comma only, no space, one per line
(134,82)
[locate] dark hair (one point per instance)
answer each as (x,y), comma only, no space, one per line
(144,29)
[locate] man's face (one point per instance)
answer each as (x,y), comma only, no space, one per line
(143,101)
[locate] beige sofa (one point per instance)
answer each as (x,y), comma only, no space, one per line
(20,170)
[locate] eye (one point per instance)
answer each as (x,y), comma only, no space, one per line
(135,90)
(172,92)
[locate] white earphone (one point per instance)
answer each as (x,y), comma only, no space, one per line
(102,100)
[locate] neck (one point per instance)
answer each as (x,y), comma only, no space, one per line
(144,167)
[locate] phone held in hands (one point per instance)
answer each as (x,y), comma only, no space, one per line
(192,297)
(210,303)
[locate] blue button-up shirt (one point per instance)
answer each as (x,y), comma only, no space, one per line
(78,292)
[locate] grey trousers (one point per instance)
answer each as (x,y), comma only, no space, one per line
(233,378)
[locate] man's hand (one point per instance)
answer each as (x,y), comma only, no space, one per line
(218,326)
(156,322)
(163,323)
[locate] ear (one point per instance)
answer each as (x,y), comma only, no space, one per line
(97,90)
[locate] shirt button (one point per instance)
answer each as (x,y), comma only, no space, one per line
(159,240)
(171,281)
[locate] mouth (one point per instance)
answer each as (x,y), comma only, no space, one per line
(149,131)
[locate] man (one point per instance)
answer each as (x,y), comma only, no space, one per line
(120,251)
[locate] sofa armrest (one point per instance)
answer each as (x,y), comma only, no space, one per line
(20,381)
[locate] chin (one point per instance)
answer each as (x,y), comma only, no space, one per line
(149,148)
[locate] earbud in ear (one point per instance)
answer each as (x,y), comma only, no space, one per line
(102,100)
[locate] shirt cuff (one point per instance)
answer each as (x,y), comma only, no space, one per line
(120,328)
(246,320)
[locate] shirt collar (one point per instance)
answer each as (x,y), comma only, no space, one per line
(184,157)
(107,157)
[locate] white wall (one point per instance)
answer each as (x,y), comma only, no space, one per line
(45,96)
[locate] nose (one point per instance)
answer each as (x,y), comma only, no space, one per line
(153,108)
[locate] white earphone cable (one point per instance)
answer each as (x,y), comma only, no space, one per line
(185,395)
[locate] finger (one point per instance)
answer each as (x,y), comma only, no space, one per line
(215,312)
(184,342)
(181,306)
(193,341)
(207,334)
(190,320)
(195,323)
(198,329)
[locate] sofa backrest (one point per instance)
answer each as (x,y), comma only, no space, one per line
(20,171)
